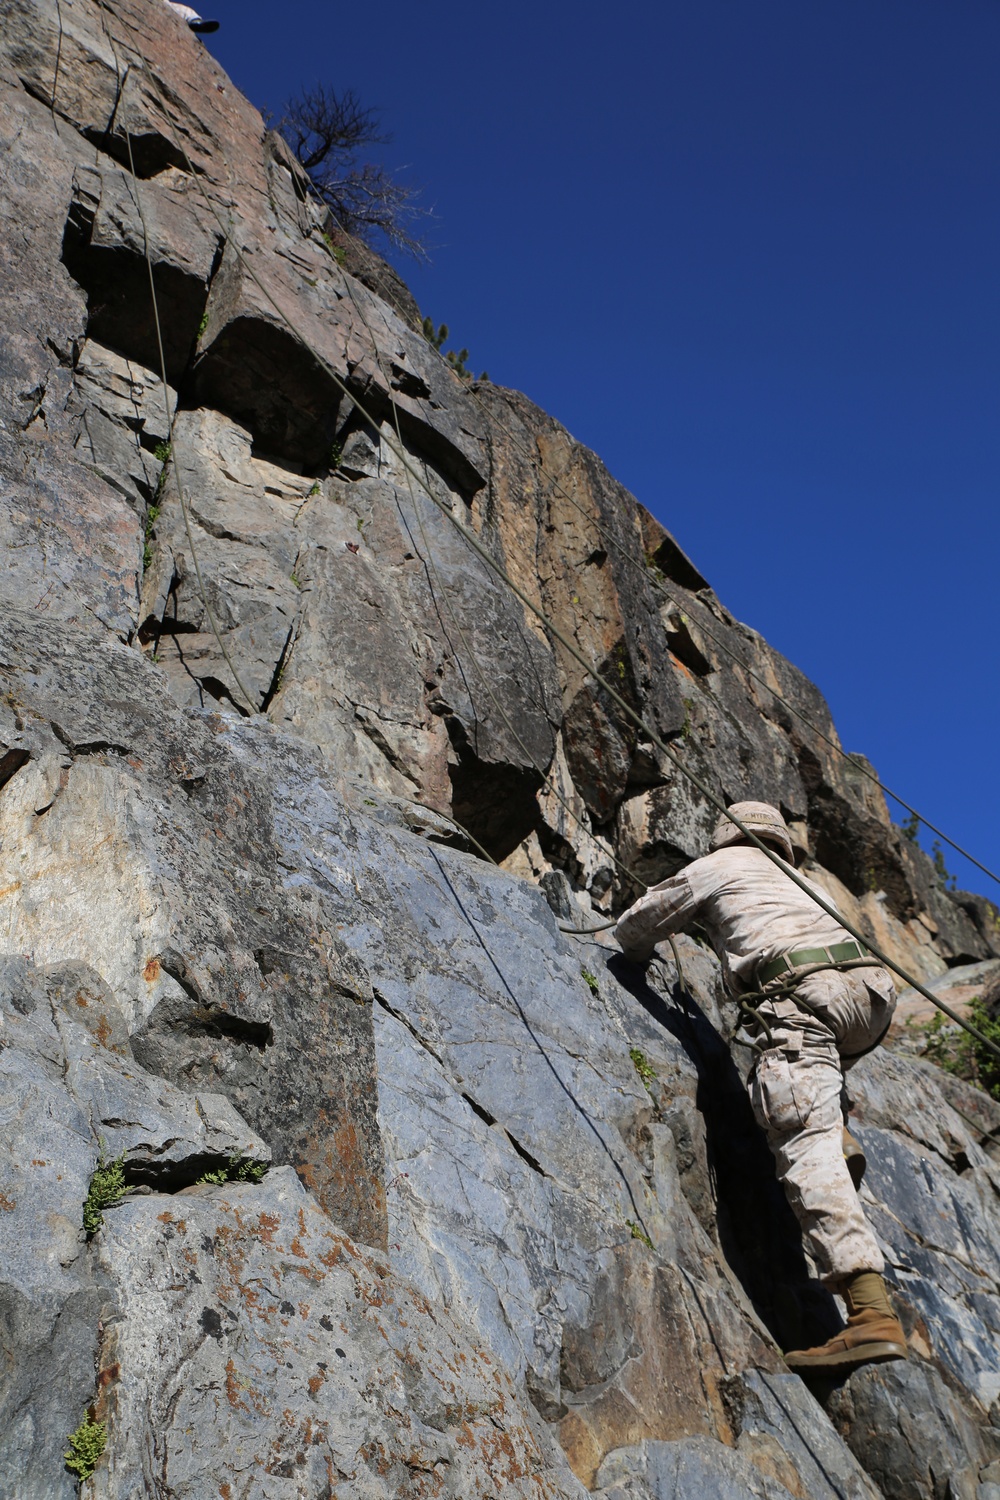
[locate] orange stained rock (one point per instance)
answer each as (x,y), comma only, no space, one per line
(266,1226)
(233,1387)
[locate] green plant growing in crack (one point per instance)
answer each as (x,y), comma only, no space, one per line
(107,1189)
(162,455)
(86,1445)
(203,323)
(237,1169)
(336,456)
(337,251)
(590,980)
(639,1234)
(642,1066)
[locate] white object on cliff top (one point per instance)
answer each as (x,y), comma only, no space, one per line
(191,16)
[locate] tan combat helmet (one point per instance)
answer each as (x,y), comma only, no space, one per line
(762,819)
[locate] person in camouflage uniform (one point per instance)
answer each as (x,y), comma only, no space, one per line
(815,1019)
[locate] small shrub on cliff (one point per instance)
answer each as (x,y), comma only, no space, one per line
(956,1052)
(437,337)
(946,879)
(86,1445)
(327,130)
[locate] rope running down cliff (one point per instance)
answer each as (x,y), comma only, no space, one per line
(636,562)
(428,560)
(650,576)
(442,594)
(656,583)
(472,541)
(168,414)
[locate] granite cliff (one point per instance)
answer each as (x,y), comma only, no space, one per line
(518,1234)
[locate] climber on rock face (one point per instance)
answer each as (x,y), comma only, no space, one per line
(817,1007)
(192,17)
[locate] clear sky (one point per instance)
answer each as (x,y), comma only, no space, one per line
(750,254)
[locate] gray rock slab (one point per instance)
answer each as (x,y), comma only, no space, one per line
(779,1423)
(694,1468)
(66,1101)
(155,864)
(255,1345)
(909,1427)
(939,1228)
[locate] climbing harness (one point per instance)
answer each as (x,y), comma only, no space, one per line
(751,1013)
(483,553)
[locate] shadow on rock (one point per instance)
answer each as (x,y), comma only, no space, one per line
(757,1232)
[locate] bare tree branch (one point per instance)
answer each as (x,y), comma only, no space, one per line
(326,130)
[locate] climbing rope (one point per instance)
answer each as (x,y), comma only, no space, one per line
(169,415)
(631,714)
(788,987)
(659,587)
(440,593)
(586,931)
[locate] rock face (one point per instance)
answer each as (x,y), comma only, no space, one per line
(263,714)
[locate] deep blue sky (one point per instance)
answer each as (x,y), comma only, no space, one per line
(749,253)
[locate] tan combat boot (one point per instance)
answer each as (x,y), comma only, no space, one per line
(855,1158)
(873,1334)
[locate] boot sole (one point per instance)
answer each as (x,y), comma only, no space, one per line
(861,1354)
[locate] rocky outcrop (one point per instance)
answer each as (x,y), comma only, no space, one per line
(519,1232)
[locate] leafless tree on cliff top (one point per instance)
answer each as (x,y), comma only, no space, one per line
(326,130)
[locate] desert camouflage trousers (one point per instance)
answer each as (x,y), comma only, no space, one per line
(797,1093)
